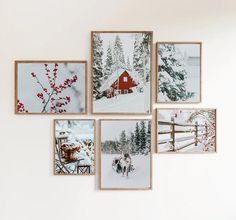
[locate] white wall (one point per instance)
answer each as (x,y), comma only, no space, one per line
(184,186)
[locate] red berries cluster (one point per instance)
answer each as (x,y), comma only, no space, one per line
(56,102)
(21,107)
(33,74)
(41,96)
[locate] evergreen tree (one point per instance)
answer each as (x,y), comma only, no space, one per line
(136,54)
(141,57)
(108,63)
(137,137)
(132,142)
(116,147)
(123,141)
(128,66)
(172,74)
(146,56)
(118,54)
(97,65)
(149,135)
(143,137)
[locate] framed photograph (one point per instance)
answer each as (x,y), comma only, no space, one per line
(125,154)
(74,147)
(179,72)
(186,130)
(121,72)
(50,87)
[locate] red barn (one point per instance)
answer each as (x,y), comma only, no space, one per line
(119,83)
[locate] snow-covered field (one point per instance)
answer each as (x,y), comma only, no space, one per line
(132,102)
(138,178)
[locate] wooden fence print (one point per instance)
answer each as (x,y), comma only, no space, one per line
(195,133)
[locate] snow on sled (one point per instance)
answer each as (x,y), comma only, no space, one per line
(123,164)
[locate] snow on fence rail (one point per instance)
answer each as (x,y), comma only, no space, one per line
(193,131)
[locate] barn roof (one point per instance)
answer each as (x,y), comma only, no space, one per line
(111,79)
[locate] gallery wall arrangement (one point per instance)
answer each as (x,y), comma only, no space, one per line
(121,84)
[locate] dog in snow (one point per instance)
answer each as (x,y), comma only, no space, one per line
(122,164)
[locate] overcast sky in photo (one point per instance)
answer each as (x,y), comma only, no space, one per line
(189,49)
(110,130)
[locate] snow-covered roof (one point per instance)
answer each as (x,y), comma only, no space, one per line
(112,78)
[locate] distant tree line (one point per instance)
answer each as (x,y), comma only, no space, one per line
(137,142)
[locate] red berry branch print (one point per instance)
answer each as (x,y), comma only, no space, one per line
(52,94)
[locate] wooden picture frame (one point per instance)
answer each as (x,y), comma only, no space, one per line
(193,130)
(199,100)
(83,168)
(94,111)
(72,82)
(100,157)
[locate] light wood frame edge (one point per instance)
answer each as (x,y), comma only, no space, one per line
(100,152)
(151,72)
(16,62)
(54,147)
(216,148)
(156,68)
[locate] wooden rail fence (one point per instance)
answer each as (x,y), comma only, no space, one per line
(196,132)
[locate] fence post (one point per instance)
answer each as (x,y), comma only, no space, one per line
(196,133)
(172,134)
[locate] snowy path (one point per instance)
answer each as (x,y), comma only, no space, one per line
(139,178)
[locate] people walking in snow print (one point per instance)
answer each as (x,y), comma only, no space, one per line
(179,72)
(121,64)
(74,147)
(50,87)
(186,130)
(125,154)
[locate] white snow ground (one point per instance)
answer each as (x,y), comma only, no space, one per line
(132,102)
(139,178)
(190,149)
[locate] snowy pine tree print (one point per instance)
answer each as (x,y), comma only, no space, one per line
(179,72)
(125,77)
